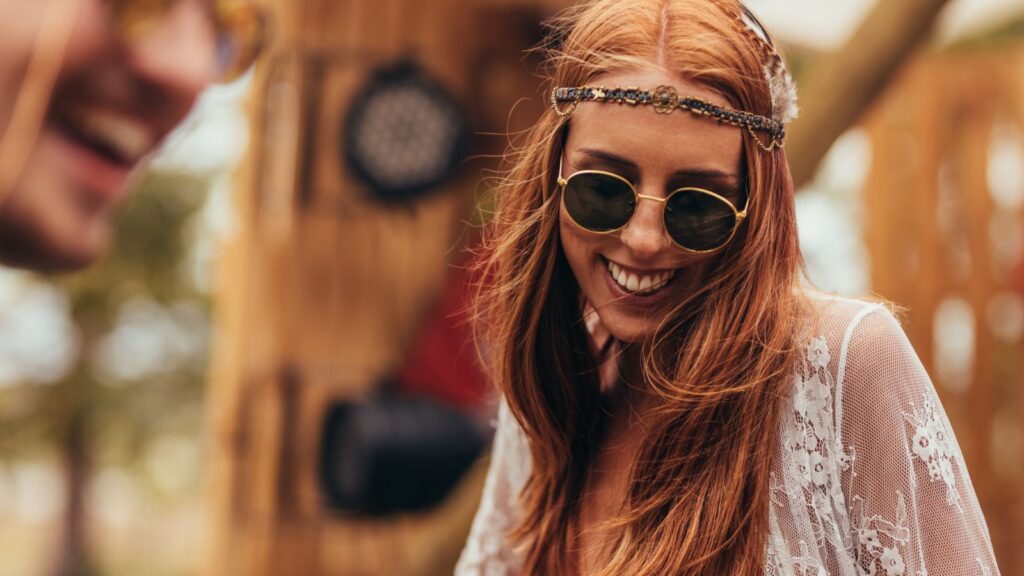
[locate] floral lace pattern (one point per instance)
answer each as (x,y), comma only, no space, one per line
(483,555)
(814,441)
(819,460)
(814,457)
(486,552)
(813,483)
(879,540)
(860,440)
(931,444)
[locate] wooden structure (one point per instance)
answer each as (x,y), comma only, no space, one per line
(945,231)
(321,289)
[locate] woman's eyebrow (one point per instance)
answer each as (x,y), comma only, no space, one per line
(610,158)
(707,173)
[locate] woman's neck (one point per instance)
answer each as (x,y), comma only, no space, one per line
(623,385)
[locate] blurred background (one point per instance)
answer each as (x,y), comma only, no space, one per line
(289,275)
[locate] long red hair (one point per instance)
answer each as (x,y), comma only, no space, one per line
(720,360)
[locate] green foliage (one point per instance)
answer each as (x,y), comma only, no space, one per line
(149,248)
(137,379)
(146,264)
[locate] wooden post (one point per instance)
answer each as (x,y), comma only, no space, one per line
(928,227)
(321,288)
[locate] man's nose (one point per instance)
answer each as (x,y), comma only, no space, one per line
(645,234)
(177,54)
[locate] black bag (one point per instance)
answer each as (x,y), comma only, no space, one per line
(395,453)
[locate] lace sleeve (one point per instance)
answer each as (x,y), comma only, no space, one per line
(913,510)
(487,553)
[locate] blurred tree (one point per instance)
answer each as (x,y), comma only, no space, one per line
(140,363)
(839,87)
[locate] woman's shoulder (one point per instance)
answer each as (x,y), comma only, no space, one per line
(836,318)
(858,335)
(864,346)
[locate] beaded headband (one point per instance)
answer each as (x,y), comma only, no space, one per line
(665,100)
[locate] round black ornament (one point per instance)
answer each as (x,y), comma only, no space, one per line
(404,134)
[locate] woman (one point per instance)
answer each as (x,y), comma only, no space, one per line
(677,401)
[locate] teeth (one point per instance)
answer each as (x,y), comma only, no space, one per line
(128,139)
(644,284)
(617,272)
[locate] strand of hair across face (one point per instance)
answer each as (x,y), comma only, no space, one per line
(33,97)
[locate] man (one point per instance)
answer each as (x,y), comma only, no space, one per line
(88,89)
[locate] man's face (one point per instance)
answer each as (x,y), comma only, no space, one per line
(113,102)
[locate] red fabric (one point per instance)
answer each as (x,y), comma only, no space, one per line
(442,362)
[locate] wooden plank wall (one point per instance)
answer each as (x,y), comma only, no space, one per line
(320,290)
(936,235)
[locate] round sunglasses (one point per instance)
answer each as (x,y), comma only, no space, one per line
(240,27)
(697,220)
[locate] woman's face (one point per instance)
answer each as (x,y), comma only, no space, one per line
(658,153)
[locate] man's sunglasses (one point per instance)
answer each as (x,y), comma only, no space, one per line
(696,219)
(240,27)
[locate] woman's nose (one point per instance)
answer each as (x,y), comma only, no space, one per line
(177,54)
(645,234)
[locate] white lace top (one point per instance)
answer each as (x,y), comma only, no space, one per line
(868,478)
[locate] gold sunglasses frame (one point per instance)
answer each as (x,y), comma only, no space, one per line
(740,215)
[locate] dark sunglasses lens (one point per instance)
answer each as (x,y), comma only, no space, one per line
(699,221)
(599,202)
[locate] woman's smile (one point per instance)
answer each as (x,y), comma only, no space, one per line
(639,282)
(636,287)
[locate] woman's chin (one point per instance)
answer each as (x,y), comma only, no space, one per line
(628,329)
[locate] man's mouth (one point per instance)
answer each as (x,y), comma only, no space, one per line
(116,138)
(99,146)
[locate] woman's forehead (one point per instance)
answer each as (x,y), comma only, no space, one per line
(654,141)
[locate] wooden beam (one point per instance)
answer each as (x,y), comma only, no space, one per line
(842,85)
